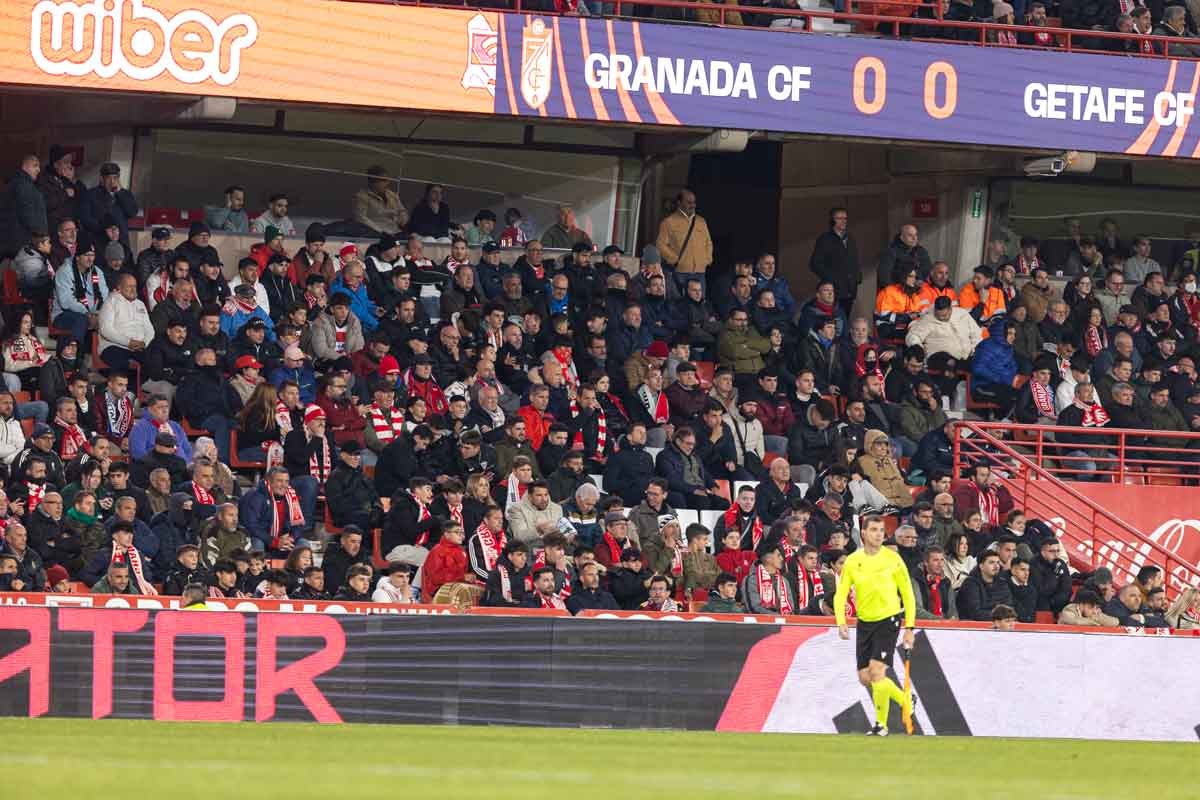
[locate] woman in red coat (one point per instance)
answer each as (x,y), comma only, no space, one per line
(446,563)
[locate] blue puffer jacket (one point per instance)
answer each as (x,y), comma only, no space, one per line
(993,362)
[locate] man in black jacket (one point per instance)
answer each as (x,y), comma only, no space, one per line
(775,496)
(508,582)
(23,207)
(351,498)
(631,468)
(202,401)
(185,570)
(1024,593)
(589,594)
(1050,576)
(345,553)
(983,590)
(630,582)
(167,360)
(835,259)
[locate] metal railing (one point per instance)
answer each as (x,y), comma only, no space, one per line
(931,28)
(1092,535)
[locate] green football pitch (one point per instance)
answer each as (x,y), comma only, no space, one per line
(117,758)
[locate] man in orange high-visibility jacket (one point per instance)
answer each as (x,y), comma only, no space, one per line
(983,301)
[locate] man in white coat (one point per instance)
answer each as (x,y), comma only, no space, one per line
(945,328)
(124,324)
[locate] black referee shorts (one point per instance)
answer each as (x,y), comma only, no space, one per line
(876,641)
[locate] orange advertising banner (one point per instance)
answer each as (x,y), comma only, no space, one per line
(312,51)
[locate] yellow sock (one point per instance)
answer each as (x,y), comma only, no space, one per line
(883,699)
(895,692)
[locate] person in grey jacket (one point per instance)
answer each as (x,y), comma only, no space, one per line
(325,327)
(231,217)
(932,588)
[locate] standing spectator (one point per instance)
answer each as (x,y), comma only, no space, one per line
(230,217)
(377,206)
(684,241)
(275,216)
(60,188)
(24,207)
(108,201)
(835,259)
(904,253)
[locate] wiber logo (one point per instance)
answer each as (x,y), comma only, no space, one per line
(111,37)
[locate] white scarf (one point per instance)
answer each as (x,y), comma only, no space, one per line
(516,490)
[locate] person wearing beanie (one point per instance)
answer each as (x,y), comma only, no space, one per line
(270,247)
(59,187)
(1002,13)
(108,202)
(310,456)
(275,216)
(197,248)
(80,289)
(377,206)
(312,259)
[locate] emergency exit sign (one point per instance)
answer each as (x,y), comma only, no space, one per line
(925,208)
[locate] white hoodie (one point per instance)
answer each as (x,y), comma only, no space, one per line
(387,592)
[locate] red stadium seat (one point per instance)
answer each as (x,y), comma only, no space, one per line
(238,463)
(191,432)
(11,291)
(705,370)
(723,490)
(330,527)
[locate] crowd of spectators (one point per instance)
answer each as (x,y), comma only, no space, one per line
(278,434)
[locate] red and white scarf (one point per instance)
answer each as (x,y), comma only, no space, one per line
(1094,341)
(505,582)
(120,414)
(1094,416)
(73,440)
(389,426)
(491,544)
(766,591)
(36,493)
(601,432)
(539,561)
(130,557)
(614,547)
(563,356)
(1006,38)
(339,336)
(429,391)
(516,490)
(87,298)
(423,515)
(455,513)
(1043,400)
(989,504)
(550,601)
(656,407)
(934,582)
(1026,266)
(668,606)
(320,468)
(283,419)
(295,515)
(676,559)
(32,354)
(806,595)
(246,306)
(203,496)
(753,524)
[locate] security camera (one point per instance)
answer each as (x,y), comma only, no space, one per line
(1070,161)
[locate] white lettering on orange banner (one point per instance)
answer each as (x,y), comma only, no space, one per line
(107,38)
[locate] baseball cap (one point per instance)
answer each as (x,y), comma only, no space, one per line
(165,439)
(161,233)
(41,429)
(612,248)
(631,554)
(614,516)
(110,168)
(244,290)
(246,361)
(489,247)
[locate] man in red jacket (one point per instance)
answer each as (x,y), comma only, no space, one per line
(345,419)
(537,420)
(446,563)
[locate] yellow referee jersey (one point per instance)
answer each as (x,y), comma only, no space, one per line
(880,582)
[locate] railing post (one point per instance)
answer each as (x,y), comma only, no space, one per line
(1121,458)
(956,446)
(1041,438)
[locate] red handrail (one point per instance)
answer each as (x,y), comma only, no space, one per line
(1093,535)
(1068,36)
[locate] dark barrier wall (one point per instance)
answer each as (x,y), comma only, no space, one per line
(452,670)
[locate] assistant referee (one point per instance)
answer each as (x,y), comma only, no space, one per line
(880,582)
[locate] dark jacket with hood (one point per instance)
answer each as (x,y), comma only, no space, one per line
(493,594)
(976,599)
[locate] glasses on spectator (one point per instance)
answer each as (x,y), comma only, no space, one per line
(338,385)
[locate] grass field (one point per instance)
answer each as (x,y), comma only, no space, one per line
(112,758)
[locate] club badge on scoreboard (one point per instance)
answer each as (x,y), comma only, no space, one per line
(480,72)
(537,51)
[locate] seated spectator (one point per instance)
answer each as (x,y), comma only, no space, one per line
(1085,610)
(589,595)
(167,360)
(357,587)
(116,580)
(431,217)
(312,587)
(377,206)
(156,419)
(350,497)
(275,216)
(23,355)
(80,290)
(245,310)
(689,483)
(615,541)
(878,466)
(945,329)
(186,570)
(483,229)
(994,367)
(766,589)
(983,590)
(535,514)
(749,446)
(740,348)
(630,468)
(308,456)
(629,581)
(231,217)
(272,513)
(898,303)
(981,299)
(446,564)
(351,282)
(121,551)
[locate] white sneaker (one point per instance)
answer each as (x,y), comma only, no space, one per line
(877,730)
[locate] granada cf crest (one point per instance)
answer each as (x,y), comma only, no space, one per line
(480,72)
(537,50)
